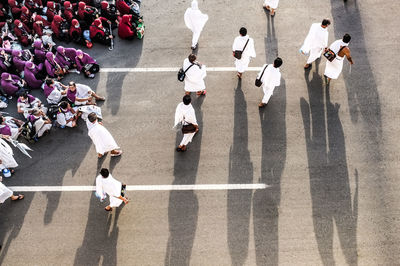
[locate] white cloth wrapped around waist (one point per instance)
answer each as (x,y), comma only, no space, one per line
(101,137)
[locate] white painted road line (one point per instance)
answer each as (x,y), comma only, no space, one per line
(142,187)
(171,69)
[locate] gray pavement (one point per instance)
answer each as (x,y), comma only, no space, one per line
(329,153)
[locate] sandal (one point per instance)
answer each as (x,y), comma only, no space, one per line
(116,154)
(20,197)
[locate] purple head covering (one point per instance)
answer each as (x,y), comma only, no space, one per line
(4,76)
(38,44)
(79,52)
(16,53)
(29,65)
(50,56)
(60,50)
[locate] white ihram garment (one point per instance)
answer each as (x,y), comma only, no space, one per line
(82,91)
(194,79)
(270,79)
(315,42)
(195,21)
(185,114)
(238,44)
(111,187)
(6,156)
(5,193)
(271,3)
(101,137)
(334,68)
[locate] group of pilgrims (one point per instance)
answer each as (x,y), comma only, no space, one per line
(192,73)
(83,22)
(31,60)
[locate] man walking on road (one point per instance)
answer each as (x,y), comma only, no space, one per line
(243,50)
(270,79)
(341,49)
(316,41)
(107,185)
(195,74)
(185,115)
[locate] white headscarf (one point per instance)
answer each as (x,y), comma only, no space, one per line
(194,19)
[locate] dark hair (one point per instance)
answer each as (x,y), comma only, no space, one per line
(24,94)
(186,100)
(326,22)
(1,119)
(278,62)
(192,58)
(49,82)
(243,31)
(92,117)
(104,172)
(346,38)
(63,104)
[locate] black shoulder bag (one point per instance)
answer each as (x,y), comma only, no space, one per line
(182,73)
(330,55)
(238,53)
(258,82)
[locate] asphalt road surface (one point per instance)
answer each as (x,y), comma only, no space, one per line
(329,154)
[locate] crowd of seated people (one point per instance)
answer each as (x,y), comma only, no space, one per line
(81,22)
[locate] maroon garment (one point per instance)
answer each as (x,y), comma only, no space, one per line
(22,33)
(123,7)
(125,27)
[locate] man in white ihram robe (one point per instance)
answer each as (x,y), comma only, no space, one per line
(107,185)
(6,193)
(270,79)
(271,5)
(194,79)
(195,21)
(101,137)
(341,49)
(316,41)
(185,115)
(238,44)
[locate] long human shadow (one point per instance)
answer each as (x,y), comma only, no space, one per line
(101,233)
(116,80)
(183,206)
(12,216)
(240,172)
(270,41)
(273,157)
(365,109)
(362,92)
(329,177)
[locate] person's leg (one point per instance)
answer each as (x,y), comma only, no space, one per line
(195,39)
(97,97)
(265,99)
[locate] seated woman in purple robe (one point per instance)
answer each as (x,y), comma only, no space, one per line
(71,54)
(18,62)
(63,60)
(53,69)
(33,75)
(11,84)
(86,64)
(40,51)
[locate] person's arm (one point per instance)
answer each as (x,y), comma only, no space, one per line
(348,55)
